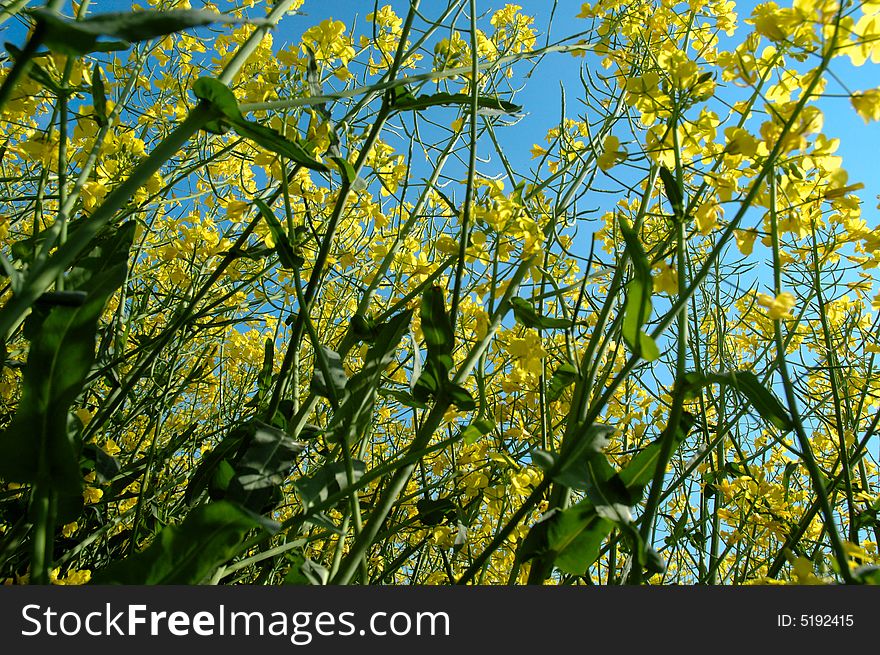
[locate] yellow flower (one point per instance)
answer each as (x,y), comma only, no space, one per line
(867,104)
(538,151)
(778,307)
(92,495)
(612,153)
(84,415)
(745,240)
(666,279)
(706,217)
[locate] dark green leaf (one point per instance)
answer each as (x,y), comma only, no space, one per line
(288,258)
(349,174)
(356,411)
(273,141)
(435,512)
(79,37)
(460,397)
(868,574)
(262,467)
(637,308)
(99,96)
(574,472)
(403,398)
(363,328)
(673,191)
(188,553)
(264,381)
(335,386)
(563,377)
(219,485)
(529,316)
(105,467)
(221,98)
(60,358)
(326,481)
(748,384)
(228,448)
(640,471)
(406,101)
(436,326)
(607,491)
(304,571)
(437,329)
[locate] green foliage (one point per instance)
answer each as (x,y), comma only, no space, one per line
(637,309)
(38,445)
(188,553)
(222,101)
(439,340)
(80,37)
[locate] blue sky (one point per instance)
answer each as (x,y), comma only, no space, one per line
(541,94)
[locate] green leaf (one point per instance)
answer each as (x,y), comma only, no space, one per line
(640,471)
(227,449)
(574,472)
(575,536)
(61,355)
(403,398)
(673,191)
(335,386)
(477,429)
(219,485)
(221,98)
(349,174)
(286,255)
(271,140)
(529,316)
(748,384)
(637,307)
(437,329)
(460,397)
(260,457)
(434,512)
(188,553)
(404,100)
(641,266)
(436,326)
(99,96)
(356,410)
(95,459)
(264,380)
(326,481)
(363,328)
(80,37)
(304,571)
(607,491)
(262,467)
(562,377)
(868,574)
